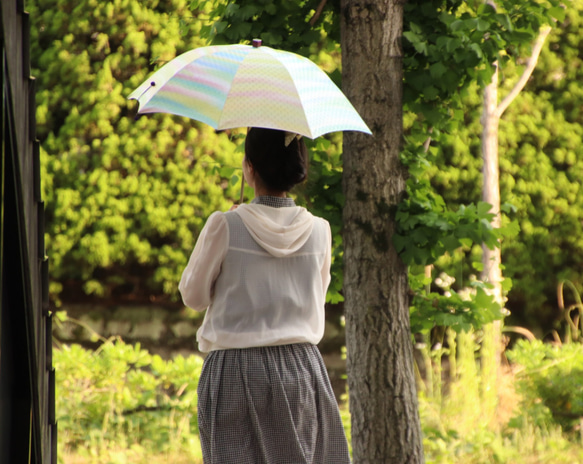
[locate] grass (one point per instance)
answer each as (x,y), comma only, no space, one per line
(97,389)
(452,435)
(458,435)
(184,448)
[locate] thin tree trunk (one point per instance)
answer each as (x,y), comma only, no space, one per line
(491,183)
(492,259)
(381,380)
(492,112)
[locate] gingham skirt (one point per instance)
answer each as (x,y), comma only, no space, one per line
(269,405)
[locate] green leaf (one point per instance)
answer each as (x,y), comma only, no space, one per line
(478,266)
(558,13)
(430,92)
(437,70)
(482,24)
(484,208)
(505,21)
(450,243)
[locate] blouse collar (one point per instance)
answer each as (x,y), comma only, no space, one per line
(274,202)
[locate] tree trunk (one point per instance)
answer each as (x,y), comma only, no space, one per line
(491,259)
(381,381)
(491,115)
(491,188)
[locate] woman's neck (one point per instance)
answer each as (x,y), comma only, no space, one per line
(260,192)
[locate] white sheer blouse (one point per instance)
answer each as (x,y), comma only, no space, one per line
(262,274)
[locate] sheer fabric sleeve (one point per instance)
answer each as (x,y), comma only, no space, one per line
(325,271)
(198,279)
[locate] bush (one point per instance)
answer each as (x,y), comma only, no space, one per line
(550,379)
(125,198)
(119,400)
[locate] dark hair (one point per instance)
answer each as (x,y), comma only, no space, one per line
(278,166)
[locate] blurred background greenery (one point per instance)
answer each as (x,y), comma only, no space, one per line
(126,198)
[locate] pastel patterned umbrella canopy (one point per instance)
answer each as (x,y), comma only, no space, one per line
(230,86)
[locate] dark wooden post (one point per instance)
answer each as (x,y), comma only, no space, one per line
(27,423)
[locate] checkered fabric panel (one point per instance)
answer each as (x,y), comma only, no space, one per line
(239,236)
(274,202)
(269,405)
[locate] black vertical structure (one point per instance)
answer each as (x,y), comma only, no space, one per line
(27,424)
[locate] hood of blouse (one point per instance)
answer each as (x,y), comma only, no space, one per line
(279,231)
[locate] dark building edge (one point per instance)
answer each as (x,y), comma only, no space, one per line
(28,431)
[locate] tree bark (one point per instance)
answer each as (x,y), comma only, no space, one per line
(491,184)
(492,259)
(491,348)
(381,381)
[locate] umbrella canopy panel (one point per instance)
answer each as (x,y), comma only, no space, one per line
(231,86)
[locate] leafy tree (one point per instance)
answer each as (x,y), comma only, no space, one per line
(451,44)
(540,136)
(125,197)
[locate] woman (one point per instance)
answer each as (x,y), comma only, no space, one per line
(261,271)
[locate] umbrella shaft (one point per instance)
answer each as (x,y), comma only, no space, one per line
(242,189)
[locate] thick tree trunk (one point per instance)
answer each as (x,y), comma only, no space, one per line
(381,381)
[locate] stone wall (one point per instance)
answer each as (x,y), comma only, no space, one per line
(169,331)
(161,330)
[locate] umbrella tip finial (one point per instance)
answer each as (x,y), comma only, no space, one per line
(256,43)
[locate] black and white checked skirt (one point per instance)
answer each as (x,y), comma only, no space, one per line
(269,405)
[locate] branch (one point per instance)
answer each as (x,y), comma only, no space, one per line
(318,12)
(531,64)
(521,331)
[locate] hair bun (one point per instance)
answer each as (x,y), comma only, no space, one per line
(279,163)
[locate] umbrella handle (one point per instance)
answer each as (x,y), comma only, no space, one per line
(242,189)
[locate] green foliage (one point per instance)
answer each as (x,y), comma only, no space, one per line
(123,397)
(550,376)
(417,241)
(450,45)
(540,171)
(283,24)
(462,310)
(460,426)
(528,444)
(121,405)
(125,198)
(450,48)
(551,382)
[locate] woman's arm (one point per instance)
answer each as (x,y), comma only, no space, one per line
(198,279)
(325,271)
